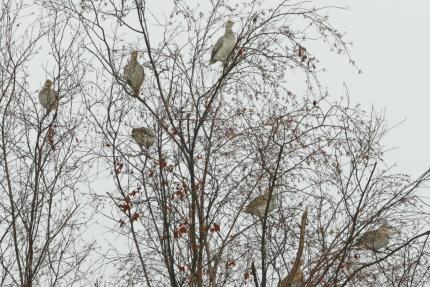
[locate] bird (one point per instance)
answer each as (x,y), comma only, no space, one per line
(144,137)
(134,74)
(257,206)
(298,280)
(224,45)
(375,239)
(48,97)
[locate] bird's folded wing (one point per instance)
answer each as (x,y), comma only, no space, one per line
(127,71)
(217,46)
(367,238)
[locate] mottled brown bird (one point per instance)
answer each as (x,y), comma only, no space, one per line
(144,137)
(298,280)
(134,74)
(257,206)
(375,239)
(224,45)
(48,97)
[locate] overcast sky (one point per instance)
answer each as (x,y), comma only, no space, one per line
(392,46)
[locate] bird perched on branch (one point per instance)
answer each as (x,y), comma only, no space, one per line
(375,239)
(298,280)
(48,97)
(224,45)
(257,206)
(134,74)
(144,137)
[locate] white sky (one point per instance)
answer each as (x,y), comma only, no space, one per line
(392,46)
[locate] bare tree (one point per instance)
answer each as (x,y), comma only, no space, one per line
(211,166)
(43,163)
(230,132)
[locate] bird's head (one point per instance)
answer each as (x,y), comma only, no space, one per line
(48,83)
(385,227)
(133,55)
(229,25)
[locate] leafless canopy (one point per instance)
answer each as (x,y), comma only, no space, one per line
(172,214)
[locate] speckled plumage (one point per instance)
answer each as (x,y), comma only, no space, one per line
(297,281)
(134,74)
(48,97)
(257,206)
(144,137)
(375,239)
(224,45)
